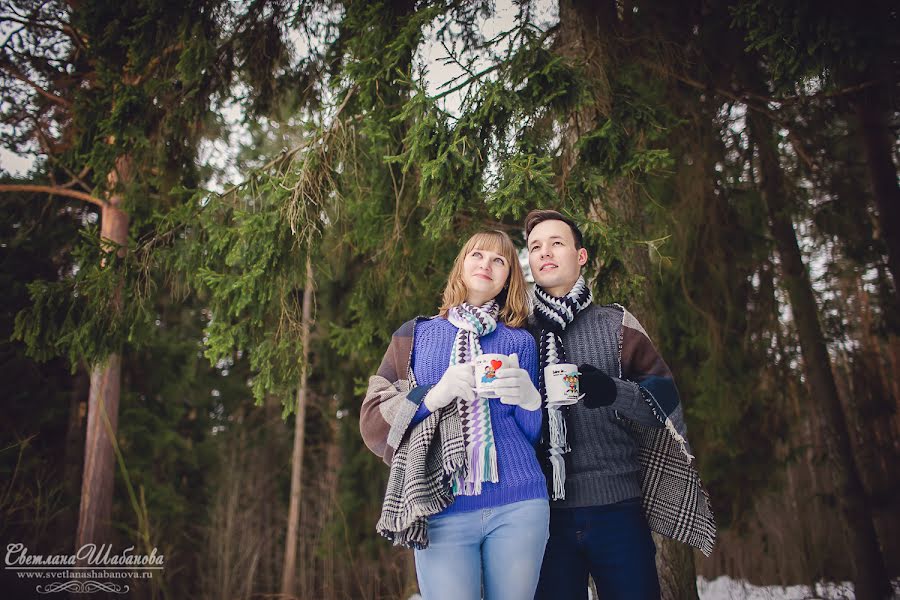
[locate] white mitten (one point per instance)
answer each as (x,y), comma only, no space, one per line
(513,386)
(458,381)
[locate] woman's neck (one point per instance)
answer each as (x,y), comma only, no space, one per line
(476,300)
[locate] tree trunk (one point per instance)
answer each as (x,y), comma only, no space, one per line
(585,35)
(99,460)
(590,32)
(331,491)
(873,109)
(675,568)
(872,581)
(103,400)
(290,550)
(74,457)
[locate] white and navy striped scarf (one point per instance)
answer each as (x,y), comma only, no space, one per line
(553,314)
(481,453)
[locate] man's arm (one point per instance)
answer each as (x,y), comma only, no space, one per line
(643,365)
(389,406)
(645,392)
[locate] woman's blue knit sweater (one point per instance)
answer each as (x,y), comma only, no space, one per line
(516,431)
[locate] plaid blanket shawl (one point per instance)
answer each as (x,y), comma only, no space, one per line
(675,502)
(422,462)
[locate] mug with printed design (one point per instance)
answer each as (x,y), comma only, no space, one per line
(486,368)
(561,381)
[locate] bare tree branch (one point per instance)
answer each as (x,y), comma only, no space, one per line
(17,74)
(745,98)
(76,179)
(53,190)
(35,23)
(155,61)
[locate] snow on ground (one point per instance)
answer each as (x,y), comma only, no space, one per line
(726,588)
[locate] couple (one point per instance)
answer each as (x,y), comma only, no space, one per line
(468,486)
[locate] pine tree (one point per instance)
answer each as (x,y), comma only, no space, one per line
(115,96)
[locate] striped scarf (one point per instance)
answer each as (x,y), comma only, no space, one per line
(474,322)
(553,315)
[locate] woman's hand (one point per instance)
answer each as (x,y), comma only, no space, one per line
(458,382)
(513,386)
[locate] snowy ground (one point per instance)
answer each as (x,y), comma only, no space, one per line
(725,588)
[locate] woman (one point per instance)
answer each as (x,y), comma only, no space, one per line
(465,487)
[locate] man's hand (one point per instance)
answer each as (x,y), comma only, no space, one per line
(458,381)
(513,386)
(599,389)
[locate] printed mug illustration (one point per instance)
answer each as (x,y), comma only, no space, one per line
(562,384)
(572,381)
(490,371)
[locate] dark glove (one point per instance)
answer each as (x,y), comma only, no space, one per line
(599,389)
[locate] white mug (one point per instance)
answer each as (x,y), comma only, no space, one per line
(486,367)
(561,381)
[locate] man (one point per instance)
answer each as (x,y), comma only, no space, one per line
(617,460)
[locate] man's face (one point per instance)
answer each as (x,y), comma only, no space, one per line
(554,260)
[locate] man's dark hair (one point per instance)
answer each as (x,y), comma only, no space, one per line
(536,217)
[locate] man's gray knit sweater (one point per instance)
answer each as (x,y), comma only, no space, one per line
(603,465)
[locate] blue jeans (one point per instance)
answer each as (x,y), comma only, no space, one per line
(611,542)
(499,547)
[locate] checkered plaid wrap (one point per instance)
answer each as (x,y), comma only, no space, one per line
(675,502)
(417,486)
(423,459)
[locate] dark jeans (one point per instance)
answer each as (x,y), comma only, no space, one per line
(612,543)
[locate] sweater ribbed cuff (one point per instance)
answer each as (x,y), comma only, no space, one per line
(630,402)
(417,396)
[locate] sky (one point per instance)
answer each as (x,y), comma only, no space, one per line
(15,164)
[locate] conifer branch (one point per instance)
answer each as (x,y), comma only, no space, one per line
(798,147)
(288,155)
(51,147)
(76,179)
(745,96)
(37,23)
(486,223)
(472,79)
(477,76)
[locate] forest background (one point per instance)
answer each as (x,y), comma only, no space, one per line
(184,340)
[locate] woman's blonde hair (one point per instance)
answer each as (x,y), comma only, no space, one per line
(513,298)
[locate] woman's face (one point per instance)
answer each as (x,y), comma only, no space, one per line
(484,273)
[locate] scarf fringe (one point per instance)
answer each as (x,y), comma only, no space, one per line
(558,431)
(682,443)
(411,530)
(559,477)
(483,463)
